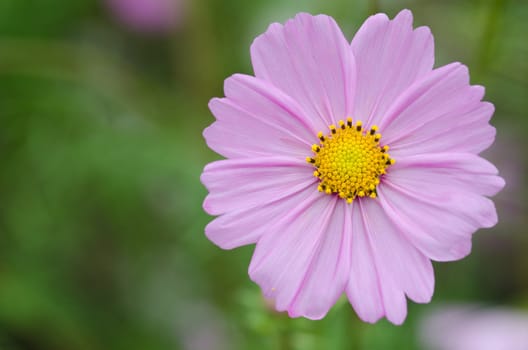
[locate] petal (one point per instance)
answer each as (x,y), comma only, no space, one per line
(438,234)
(462,171)
(247,225)
(363,288)
(235,184)
(390,56)
(257,119)
(384,267)
(310,60)
(329,269)
(302,262)
(390,297)
(440,113)
(436,201)
(396,256)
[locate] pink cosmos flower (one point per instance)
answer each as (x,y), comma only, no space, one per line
(308,175)
(470,327)
(147,15)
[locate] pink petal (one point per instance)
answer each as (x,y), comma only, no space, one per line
(462,171)
(363,289)
(310,60)
(472,208)
(436,201)
(257,119)
(432,231)
(303,262)
(384,267)
(329,269)
(236,184)
(439,113)
(247,225)
(397,257)
(390,56)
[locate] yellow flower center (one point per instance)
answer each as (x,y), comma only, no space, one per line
(350,161)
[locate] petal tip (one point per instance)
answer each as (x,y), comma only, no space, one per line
(397,321)
(314,317)
(206,205)
(372,319)
(500,183)
(210,234)
(404,15)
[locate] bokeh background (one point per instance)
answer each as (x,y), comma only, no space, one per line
(102,106)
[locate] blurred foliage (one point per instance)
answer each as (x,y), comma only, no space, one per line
(101,226)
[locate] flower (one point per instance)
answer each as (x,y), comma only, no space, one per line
(153,16)
(351,166)
(473,327)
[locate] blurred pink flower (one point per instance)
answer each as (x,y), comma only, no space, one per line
(468,327)
(331,211)
(147,15)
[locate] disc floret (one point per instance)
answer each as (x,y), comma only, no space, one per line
(349,160)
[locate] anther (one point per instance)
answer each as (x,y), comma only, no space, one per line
(342,124)
(384,149)
(349,122)
(320,136)
(332,128)
(373,129)
(358,125)
(377,137)
(310,160)
(316,148)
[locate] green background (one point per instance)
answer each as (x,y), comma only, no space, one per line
(101,225)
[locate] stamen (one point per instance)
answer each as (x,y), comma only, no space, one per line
(358,125)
